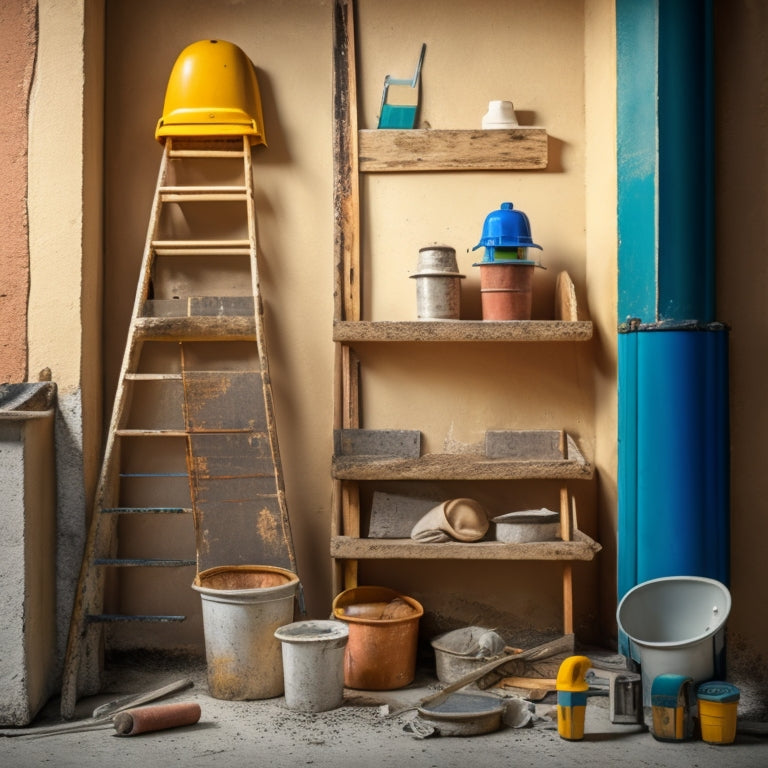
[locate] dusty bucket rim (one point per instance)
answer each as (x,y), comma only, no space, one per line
(372,594)
(683,642)
(289,583)
(313,631)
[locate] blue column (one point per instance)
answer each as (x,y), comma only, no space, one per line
(672,354)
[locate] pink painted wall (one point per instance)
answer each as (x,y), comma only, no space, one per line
(18,42)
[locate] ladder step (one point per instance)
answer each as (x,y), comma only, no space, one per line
(113,618)
(151,432)
(140,562)
(146,510)
(203,197)
(202,247)
(189,189)
(207,153)
(200,306)
(242,243)
(153,376)
(199,328)
(203,251)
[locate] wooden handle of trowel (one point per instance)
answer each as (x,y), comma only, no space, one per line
(156,718)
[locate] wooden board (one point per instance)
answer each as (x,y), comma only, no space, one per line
(452,150)
(565,299)
(461,330)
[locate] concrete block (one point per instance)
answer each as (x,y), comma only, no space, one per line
(27,556)
(377,442)
(525,444)
(393,515)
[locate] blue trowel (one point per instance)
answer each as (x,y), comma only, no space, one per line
(400,99)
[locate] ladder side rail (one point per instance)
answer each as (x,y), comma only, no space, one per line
(261,344)
(90,584)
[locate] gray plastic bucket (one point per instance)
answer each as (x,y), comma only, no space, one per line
(243,605)
(675,625)
(313,664)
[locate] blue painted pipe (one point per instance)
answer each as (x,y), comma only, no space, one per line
(674,463)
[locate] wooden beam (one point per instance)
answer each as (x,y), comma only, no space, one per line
(453,150)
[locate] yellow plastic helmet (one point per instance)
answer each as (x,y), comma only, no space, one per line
(212,91)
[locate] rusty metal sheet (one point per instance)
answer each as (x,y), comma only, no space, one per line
(224,400)
(230,454)
(233,489)
(248,532)
(238,516)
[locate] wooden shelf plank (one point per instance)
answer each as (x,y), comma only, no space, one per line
(346,547)
(449,466)
(452,150)
(461,330)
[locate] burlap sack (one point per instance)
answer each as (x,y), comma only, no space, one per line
(456,519)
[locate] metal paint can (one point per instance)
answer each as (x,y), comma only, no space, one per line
(438,284)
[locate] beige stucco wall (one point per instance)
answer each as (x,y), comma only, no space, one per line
(466,65)
(65,257)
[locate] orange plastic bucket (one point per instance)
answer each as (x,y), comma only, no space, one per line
(383,637)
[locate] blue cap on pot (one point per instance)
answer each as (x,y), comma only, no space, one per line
(506,228)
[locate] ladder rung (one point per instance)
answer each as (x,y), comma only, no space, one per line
(153,376)
(214,251)
(189,189)
(240,247)
(147,510)
(103,618)
(203,197)
(199,307)
(201,243)
(227,153)
(141,562)
(151,432)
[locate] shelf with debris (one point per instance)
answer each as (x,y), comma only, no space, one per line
(407,526)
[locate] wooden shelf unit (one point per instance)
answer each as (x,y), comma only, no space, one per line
(375,151)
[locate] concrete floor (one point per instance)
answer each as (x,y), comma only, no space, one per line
(259,733)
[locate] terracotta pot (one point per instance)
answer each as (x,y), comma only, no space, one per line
(381,651)
(506,290)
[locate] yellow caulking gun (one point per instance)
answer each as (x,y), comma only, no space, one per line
(572,691)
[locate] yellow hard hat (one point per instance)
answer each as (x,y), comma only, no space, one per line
(212,91)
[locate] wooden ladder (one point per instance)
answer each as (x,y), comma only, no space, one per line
(193,423)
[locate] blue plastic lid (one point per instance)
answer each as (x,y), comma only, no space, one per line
(506,227)
(717,690)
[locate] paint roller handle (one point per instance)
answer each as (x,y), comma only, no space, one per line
(156,718)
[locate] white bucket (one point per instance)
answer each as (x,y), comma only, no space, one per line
(675,625)
(313,664)
(243,605)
